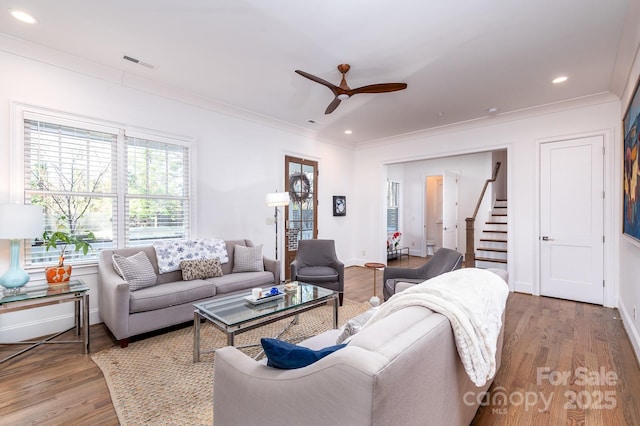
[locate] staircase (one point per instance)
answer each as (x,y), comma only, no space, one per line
(492,250)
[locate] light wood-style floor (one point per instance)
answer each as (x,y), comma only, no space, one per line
(545,340)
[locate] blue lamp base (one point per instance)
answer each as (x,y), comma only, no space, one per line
(15,277)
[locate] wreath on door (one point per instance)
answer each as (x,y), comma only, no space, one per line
(299,187)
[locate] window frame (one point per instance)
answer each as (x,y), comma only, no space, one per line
(17,186)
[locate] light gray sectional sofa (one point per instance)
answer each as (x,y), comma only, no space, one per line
(401,370)
(170,301)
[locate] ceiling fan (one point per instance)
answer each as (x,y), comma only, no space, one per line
(343,91)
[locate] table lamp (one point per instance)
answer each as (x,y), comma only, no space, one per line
(17,222)
(275,200)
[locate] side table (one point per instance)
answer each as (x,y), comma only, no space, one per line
(35,296)
(397,252)
(375,300)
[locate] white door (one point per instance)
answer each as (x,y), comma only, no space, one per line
(450,210)
(571,220)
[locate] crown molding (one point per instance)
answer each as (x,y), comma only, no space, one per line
(63,60)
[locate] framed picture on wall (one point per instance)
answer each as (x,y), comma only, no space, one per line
(630,170)
(339,205)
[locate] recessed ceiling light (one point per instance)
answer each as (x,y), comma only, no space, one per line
(23,16)
(560,79)
(348,132)
(492,110)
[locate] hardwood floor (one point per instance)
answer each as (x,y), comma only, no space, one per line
(546,340)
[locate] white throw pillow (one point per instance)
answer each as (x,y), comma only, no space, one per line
(247,259)
(137,270)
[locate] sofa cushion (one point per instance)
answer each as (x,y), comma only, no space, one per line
(247,259)
(287,356)
(200,269)
(137,270)
(241,281)
(317,274)
(170,294)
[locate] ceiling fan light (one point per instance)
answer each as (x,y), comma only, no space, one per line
(343,97)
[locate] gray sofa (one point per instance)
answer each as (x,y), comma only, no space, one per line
(169,302)
(401,370)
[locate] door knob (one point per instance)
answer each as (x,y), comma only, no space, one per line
(545,238)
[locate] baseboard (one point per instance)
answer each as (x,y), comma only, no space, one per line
(632,331)
(18,330)
(523,287)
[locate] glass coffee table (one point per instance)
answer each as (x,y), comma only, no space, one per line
(236,314)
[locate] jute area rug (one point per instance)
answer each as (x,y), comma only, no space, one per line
(154,380)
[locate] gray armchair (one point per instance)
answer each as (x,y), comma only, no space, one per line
(445,260)
(316,263)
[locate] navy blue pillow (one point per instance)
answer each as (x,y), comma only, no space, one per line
(287,356)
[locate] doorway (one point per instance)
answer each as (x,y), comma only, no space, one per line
(441,211)
(572,219)
(433,210)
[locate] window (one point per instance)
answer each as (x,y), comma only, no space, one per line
(157,201)
(393,206)
(72,169)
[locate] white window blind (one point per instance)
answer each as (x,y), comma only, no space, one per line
(157,198)
(71,169)
(393,206)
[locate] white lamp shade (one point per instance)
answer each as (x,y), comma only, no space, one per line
(276,199)
(20,221)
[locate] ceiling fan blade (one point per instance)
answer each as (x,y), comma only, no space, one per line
(378,88)
(332,106)
(312,77)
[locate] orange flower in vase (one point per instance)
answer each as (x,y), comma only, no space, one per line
(60,239)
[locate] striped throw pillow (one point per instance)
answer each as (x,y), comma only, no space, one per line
(137,270)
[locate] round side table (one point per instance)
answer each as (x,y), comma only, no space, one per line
(375,266)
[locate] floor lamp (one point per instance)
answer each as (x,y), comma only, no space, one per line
(275,200)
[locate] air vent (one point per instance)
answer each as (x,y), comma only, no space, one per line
(137,61)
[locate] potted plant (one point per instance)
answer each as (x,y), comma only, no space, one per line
(62,239)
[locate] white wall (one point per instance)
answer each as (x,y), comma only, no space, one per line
(238,161)
(521,134)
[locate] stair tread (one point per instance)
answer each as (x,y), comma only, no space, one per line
(484,259)
(492,249)
(494,230)
(493,240)
(495,223)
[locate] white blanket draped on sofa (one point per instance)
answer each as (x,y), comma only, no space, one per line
(473,300)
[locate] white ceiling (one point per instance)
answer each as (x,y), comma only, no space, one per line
(459,58)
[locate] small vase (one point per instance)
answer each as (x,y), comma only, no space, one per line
(57,275)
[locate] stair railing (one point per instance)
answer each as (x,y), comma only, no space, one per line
(470,255)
